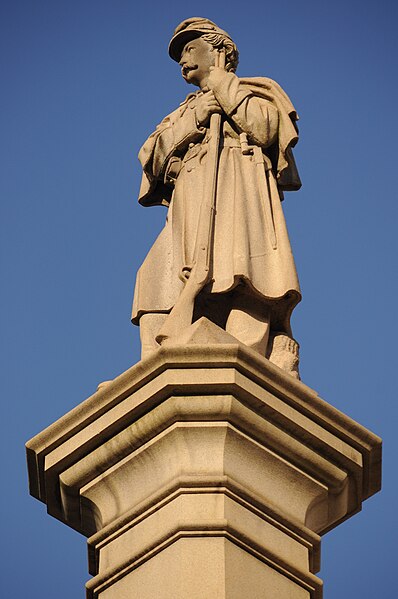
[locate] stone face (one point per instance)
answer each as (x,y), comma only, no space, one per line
(204,469)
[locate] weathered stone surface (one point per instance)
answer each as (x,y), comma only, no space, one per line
(221,162)
(207,470)
(204,467)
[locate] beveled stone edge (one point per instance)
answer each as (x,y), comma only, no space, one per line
(235,356)
(308,581)
(324,471)
(193,485)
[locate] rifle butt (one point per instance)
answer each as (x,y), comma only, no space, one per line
(181,314)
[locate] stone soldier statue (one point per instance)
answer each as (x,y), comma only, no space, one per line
(252,287)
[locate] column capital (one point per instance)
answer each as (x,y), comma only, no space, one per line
(204,445)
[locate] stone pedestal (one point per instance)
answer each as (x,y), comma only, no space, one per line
(204,472)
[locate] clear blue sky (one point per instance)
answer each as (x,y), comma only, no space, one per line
(83,84)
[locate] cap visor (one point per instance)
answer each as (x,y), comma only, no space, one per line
(178,42)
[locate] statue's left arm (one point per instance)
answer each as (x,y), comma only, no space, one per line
(252,115)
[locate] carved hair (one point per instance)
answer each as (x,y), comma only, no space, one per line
(218,40)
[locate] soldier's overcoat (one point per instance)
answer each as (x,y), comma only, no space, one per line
(250,243)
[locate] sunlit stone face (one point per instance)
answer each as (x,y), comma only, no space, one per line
(196,59)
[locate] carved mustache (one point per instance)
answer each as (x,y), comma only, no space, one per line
(186,68)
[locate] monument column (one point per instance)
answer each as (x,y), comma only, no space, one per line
(204,471)
(208,470)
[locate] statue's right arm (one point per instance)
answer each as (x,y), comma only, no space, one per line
(171,138)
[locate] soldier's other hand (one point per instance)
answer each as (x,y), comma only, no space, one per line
(205,107)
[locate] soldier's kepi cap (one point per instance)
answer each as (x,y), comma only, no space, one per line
(189,30)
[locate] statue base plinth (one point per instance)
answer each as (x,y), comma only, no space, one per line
(205,472)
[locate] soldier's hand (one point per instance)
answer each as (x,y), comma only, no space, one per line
(205,107)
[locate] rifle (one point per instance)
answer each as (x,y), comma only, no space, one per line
(198,276)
